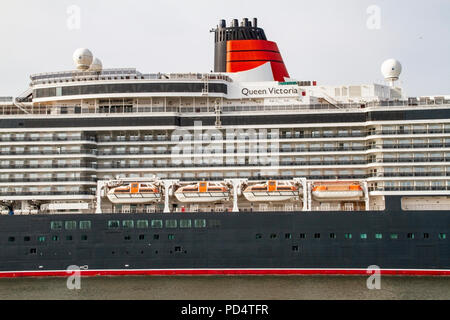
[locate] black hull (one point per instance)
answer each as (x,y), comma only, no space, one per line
(258,240)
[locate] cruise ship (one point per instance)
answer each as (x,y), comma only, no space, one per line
(243,170)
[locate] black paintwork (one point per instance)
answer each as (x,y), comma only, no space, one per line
(231,240)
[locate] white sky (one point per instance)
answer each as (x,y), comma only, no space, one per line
(323,40)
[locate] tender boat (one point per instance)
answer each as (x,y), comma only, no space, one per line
(135,193)
(203,192)
(337,192)
(271,190)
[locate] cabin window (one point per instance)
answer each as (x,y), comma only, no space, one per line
(156,237)
(199,223)
(394,236)
(185,223)
(113,224)
(157,224)
(172,223)
(142,224)
(70,225)
(347,235)
(410,235)
(41,238)
(258,236)
(84,237)
(302,235)
(273,236)
(55,238)
(363,235)
(171,236)
(56,225)
(214,223)
(426,235)
(69,238)
(128,224)
(84,225)
(26,238)
(141,236)
(316,235)
(11,239)
(127,238)
(295,248)
(332,236)
(33,251)
(288,236)
(442,236)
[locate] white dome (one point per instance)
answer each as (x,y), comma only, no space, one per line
(391,69)
(96,65)
(82,58)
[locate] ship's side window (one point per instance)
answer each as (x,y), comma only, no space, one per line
(113,224)
(69,238)
(171,236)
(11,239)
(199,223)
(316,235)
(127,238)
(142,224)
(302,235)
(70,225)
(363,235)
(288,236)
(442,236)
(156,237)
(273,236)
(394,236)
(85,225)
(410,235)
(214,223)
(157,224)
(56,225)
(295,248)
(426,235)
(84,237)
(33,251)
(141,236)
(347,235)
(185,223)
(258,236)
(332,236)
(41,238)
(26,238)
(128,224)
(378,236)
(55,238)
(172,223)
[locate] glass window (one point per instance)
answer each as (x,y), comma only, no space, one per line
(172,223)
(347,235)
(410,235)
(142,224)
(378,236)
(200,223)
(41,238)
(442,236)
(170,236)
(363,235)
(394,236)
(157,224)
(70,225)
(84,237)
(185,223)
(56,225)
(128,224)
(113,224)
(55,238)
(332,236)
(85,225)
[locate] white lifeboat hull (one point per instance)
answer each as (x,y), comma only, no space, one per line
(338,195)
(202,196)
(134,197)
(257,196)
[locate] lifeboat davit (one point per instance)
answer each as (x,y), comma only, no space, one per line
(272,190)
(135,193)
(203,192)
(337,192)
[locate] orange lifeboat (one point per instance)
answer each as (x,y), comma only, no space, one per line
(272,190)
(203,192)
(337,192)
(134,193)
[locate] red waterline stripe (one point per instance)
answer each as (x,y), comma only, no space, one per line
(166,272)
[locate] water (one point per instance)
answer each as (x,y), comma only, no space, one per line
(227,288)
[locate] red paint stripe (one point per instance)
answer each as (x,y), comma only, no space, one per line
(90,273)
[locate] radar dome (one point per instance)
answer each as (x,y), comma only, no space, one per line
(83,58)
(391,69)
(96,65)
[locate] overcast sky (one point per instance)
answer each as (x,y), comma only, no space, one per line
(331,41)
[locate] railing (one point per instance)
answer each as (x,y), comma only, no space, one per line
(53,166)
(82,179)
(45,193)
(51,152)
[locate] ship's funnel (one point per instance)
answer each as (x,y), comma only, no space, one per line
(245,47)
